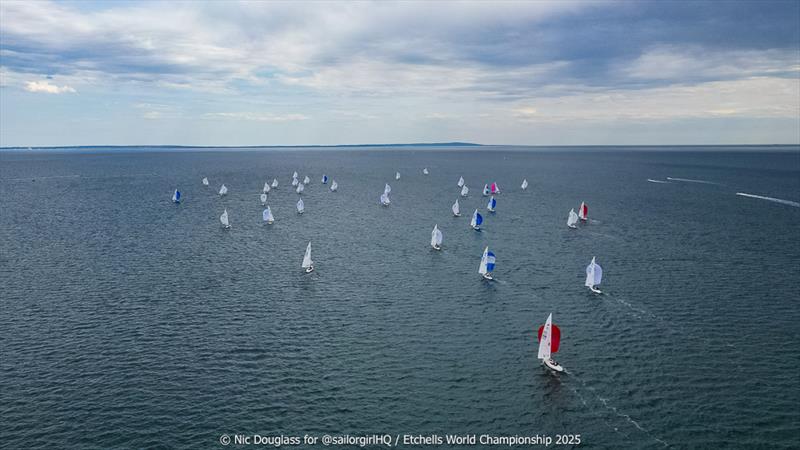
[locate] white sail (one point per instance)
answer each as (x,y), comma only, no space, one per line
(464,191)
(546,341)
(474,222)
(460,181)
(176,196)
(334,186)
(385,199)
(594,274)
(294,175)
(307,262)
(267,215)
(456,209)
(572,219)
(425,171)
(436,236)
(224,219)
(301,188)
(484,259)
(266,187)
(485,190)
(274,183)
(223,190)
(263,199)
(300,206)
(295,182)
(397,175)
(387,189)
(205,181)
(524,184)
(306,180)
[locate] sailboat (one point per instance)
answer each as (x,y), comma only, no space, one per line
(572,220)
(266,187)
(295,182)
(223,190)
(267,215)
(456,209)
(485,190)
(176,196)
(491,205)
(306,180)
(583,212)
(387,189)
(436,238)
(274,183)
(385,199)
(464,190)
(301,207)
(334,186)
(460,181)
(477,220)
(294,175)
(224,219)
(263,198)
(425,171)
(397,175)
(205,181)
(524,184)
(487,264)
(308,264)
(494,189)
(324,179)
(549,340)
(301,188)
(594,275)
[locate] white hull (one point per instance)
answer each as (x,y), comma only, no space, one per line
(490,210)
(310,269)
(574,227)
(595,290)
(488,276)
(270,222)
(226,227)
(456,215)
(436,247)
(553,365)
(476,228)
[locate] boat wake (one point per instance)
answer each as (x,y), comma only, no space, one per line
(771,199)
(657,181)
(610,410)
(688,180)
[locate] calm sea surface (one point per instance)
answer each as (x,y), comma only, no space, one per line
(130,322)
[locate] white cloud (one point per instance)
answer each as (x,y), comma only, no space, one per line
(258,117)
(46,87)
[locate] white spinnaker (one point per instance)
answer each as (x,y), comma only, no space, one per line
(436,236)
(267,215)
(300,206)
(572,219)
(456,208)
(263,199)
(464,191)
(224,218)
(594,274)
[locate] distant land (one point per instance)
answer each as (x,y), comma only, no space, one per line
(420,144)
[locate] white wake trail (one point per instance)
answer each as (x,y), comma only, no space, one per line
(771,199)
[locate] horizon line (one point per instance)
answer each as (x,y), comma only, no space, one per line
(416,144)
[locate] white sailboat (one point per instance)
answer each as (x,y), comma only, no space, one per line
(524,184)
(223,190)
(436,238)
(385,199)
(485,190)
(205,181)
(491,205)
(460,181)
(387,189)
(224,219)
(301,188)
(301,207)
(572,220)
(308,264)
(267,215)
(583,212)
(549,340)
(274,183)
(594,275)
(266,187)
(294,175)
(487,264)
(334,186)
(176,196)
(425,171)
(456,209)
(397,175)
(477,220)
(464,190)
(263,199)
(295,182)
(306,180)
(324,179)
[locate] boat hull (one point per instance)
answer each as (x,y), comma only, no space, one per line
(310,269)
(488,277)
(552,365)
(595,290)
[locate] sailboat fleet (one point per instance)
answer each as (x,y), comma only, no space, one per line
(548,334)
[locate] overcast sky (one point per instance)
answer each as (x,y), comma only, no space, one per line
(536,73)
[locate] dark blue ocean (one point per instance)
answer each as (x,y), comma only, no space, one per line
(127,321)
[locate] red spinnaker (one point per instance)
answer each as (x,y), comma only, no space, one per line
(555,339)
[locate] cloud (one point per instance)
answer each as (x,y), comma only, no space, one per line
(258,117)
(46,87)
